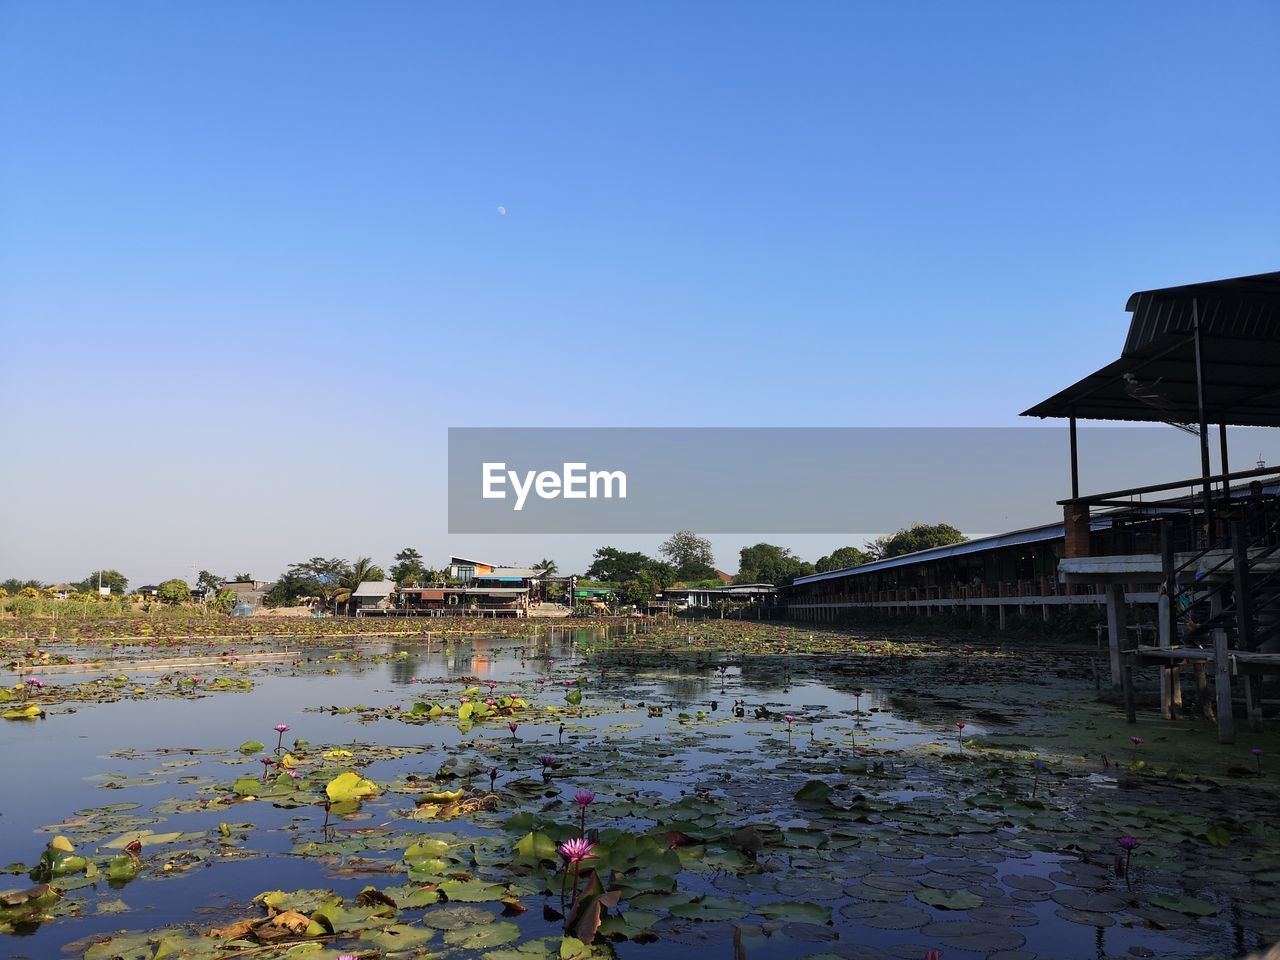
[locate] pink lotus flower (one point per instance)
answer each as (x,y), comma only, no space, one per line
(1128,843)
(584,798)
(577,850)
(282,728)
(1137,741)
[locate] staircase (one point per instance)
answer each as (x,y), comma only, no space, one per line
(1226,611)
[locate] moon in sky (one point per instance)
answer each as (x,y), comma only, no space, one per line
(502,211)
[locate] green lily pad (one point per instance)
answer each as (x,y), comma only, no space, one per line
(486,935)
(794,911)
(1192,906)
(948,899)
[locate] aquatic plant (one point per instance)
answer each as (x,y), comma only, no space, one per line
(281,730)
(512,727)
(1257,758)
(584,799)
(1036,765)
(575,851)
(1128,845)
(960,725)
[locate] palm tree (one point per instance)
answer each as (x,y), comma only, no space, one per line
(357,573)
(546,567)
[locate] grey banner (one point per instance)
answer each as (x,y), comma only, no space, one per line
(796,480)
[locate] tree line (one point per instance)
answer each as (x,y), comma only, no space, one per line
(684,557)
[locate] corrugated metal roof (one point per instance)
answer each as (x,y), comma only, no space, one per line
(1247,307)
(374,588)
(1051,531)
(1155,378)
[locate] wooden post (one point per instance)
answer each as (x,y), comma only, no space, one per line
(1165,623)
(1222,686)
(1202,690)
(1126,669)
(1117,629)
(1166,673)
(1244,622)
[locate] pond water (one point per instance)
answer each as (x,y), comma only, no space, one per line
(861,827)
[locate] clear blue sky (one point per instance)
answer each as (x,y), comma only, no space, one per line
(244,245)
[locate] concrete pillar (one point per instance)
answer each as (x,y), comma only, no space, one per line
(1117,623)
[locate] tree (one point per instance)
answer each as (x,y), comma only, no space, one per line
(16,586)
(769,563)
(288,589)
(222,601)
(610,565)
(690,554)
(657,575)
(918,536)
(548,568)
(357,573)
(317,577)
(636,592)
(114,579)
(242,578)
(408,568)
(842,559)
(174,592)
(208,583)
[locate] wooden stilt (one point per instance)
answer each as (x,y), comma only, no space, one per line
(1252,701)
(1166,673)
(1202,690)
(1222,686)
(1126,671)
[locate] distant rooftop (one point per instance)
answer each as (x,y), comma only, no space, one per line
(374,588)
